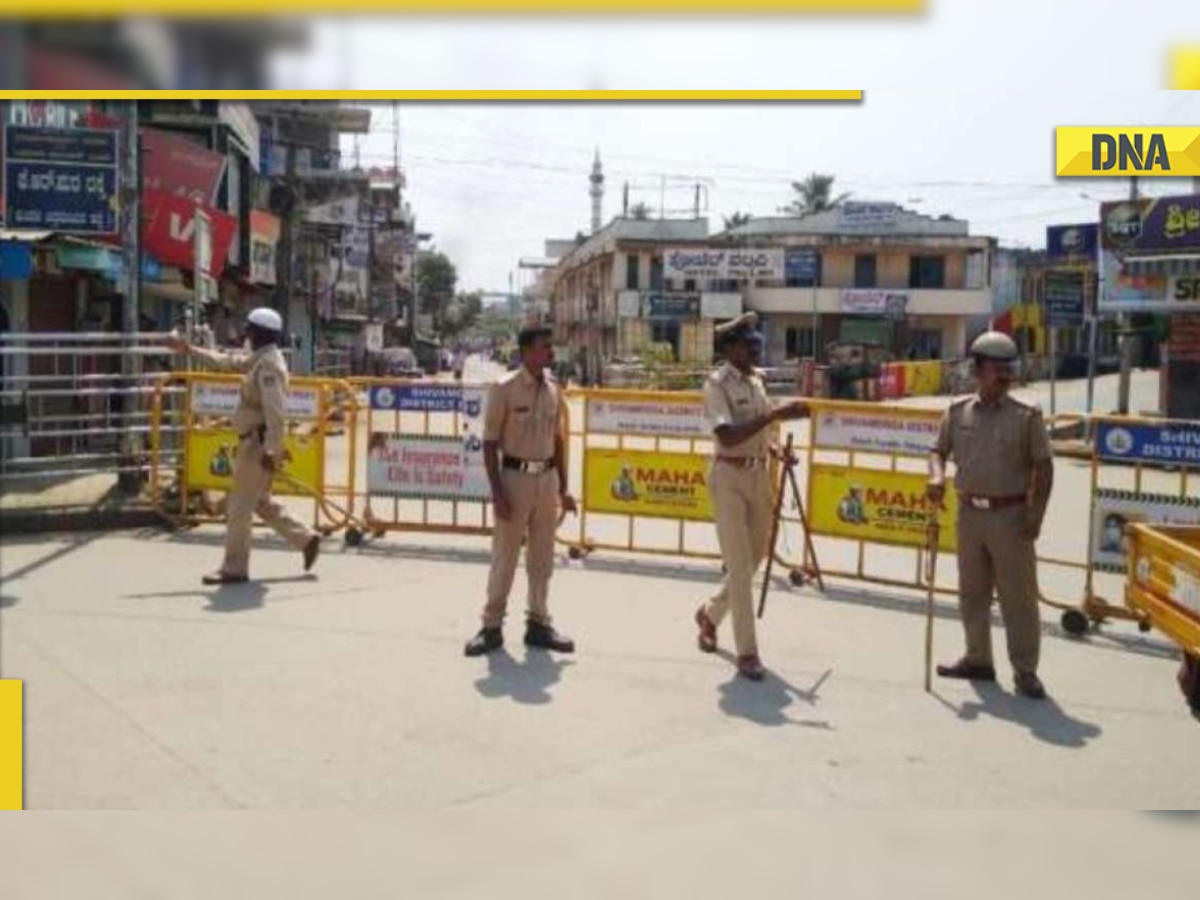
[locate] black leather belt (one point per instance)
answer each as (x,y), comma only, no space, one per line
(530,466)
(976,502)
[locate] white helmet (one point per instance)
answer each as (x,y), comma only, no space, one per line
(266,318)
(995,345)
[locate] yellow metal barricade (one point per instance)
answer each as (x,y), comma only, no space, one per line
(1163,589)
(1141,471)
(642,460)
(193,445)
(423,470)
(866,472)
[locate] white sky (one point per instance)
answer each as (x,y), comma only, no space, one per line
(960,109)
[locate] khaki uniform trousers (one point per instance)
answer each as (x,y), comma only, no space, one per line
(250,494)
(992,554)
(533,501)
(743,508)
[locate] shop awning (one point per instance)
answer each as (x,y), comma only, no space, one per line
(1163,264)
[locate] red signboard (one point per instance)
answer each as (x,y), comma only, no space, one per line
(169,230)
(175,165)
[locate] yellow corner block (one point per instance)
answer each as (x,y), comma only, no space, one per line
(11,746)
(1115,152)
(1185,68)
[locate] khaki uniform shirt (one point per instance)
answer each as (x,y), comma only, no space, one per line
(525,415)
(731,398)
(262,395)
(995,446)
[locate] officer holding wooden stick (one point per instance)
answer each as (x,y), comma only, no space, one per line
(740,413)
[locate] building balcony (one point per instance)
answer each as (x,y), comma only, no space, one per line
(833,301)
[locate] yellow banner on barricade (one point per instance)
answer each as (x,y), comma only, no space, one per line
(210,457)
(878,506)
(647,483)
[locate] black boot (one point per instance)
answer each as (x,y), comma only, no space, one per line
(486,641)
(546,638)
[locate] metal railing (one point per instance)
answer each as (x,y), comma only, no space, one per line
(77,403)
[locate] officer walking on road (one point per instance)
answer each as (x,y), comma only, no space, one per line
(524,431)
(1005,471)
(739,411)
(260,423)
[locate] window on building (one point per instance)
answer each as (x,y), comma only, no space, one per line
(927,272)
(689,285)
(864,270)
(798,343)
(925,343)
(656,274)
(631,272)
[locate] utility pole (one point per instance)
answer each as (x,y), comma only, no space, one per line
(131,258)
(1124,328)
(284,261)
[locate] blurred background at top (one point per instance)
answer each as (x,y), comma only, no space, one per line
(146,54)
(951,44)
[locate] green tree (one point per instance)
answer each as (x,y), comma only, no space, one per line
(639,211)
(436,280)
(462,312)
(812,195)
(737,220)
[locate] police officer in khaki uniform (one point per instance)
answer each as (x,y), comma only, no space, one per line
(260,422)
(739,411)
(524,432)
(1005,471)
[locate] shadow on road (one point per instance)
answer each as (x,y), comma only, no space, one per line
(1110,641)
(1045,719)
(6,602)
(70,546)
(766,702)
(231,598)
(529,683)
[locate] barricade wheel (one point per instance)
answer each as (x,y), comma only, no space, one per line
(1189,681)
(575,552)
(1074,622)
(354,537)
(797,577)
(1144,625)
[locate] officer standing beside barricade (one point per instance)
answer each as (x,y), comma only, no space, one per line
(739,411)
(524,432)
(260,422)
(1005,471)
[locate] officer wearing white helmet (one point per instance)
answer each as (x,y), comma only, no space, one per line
(1004,474)
(261,423)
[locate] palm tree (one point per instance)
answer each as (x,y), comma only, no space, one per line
(812,195)
(737,220)
(639,211)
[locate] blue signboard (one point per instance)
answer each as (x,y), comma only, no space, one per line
(402,397)
(1072,242)
(1064,299)
(16,261)
(61,179)
(1161,444)
(801,266)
